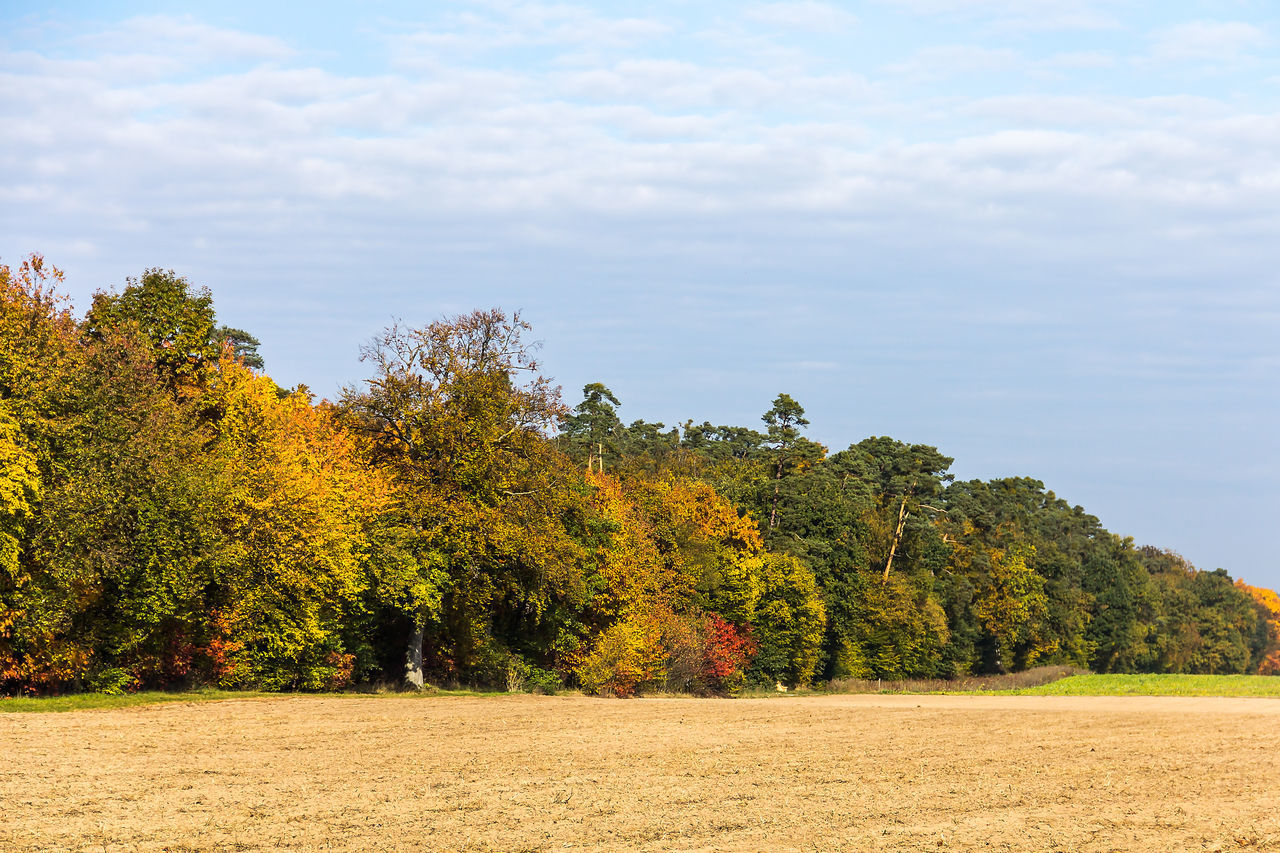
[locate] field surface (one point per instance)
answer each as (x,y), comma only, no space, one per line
(527,773)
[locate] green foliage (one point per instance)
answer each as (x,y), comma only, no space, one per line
(244,346)
(897,630)
(1012,608)
(788,622)
(592,432)
(523,677)
(126,540)
(177,320)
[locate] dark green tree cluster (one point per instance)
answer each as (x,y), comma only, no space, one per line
(926,577)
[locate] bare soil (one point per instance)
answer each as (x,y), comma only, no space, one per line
(528,773)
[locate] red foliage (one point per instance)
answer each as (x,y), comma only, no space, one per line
(728,650)
(344,666)
(221,650)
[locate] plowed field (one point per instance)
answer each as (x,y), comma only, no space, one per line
(526,773)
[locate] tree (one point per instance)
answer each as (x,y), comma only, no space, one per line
(1017,514)
(788,622)
(39,349)
(785,419)
(1011,607)
(20,490)
(593,426)
(127,540)
(457,413)
(244,346)
(1267,603)
(903,477)
(176,318)
(299,517)
(722,443)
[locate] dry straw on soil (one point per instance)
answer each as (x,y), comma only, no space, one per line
(532,773)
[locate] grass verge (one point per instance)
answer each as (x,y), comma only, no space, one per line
(1070,681)
(93,701)
(1041,681)
(1158,685)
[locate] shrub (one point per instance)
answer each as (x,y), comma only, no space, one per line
(523,677)
(628,659)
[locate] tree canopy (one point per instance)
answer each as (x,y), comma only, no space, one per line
(169,515)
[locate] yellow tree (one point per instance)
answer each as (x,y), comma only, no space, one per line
(714,561)
(38,352)
(299,511)
(630,570)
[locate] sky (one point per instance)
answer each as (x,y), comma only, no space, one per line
(1040,235)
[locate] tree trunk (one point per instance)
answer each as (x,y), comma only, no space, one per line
(897,537)
(413,659)
(777,481)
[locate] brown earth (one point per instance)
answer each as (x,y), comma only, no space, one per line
(526,773)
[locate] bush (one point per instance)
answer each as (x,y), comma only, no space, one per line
(685,653)
(628,659)
(523,677)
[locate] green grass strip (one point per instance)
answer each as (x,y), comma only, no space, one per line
(1157,685)
(92,701)
(95,701)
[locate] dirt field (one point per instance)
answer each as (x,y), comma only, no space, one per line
(525,773)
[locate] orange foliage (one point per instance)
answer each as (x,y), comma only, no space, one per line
(629,564)
(1268,601)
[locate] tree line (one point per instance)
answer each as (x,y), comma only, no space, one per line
(170,516)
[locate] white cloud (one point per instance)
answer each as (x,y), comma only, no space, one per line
(1211,41)
(944,61)
(509,25)
(1080,60)
(1075,111)
(686,85)
(184,38)
(1029,15)
(666,140)
(803,15)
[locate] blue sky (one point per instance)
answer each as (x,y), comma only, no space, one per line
(1038,234)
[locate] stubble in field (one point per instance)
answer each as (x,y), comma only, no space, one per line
(524,773)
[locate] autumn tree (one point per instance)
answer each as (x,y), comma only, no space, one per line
(39,355)
(301,517)
(1267,656)
(457,413)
